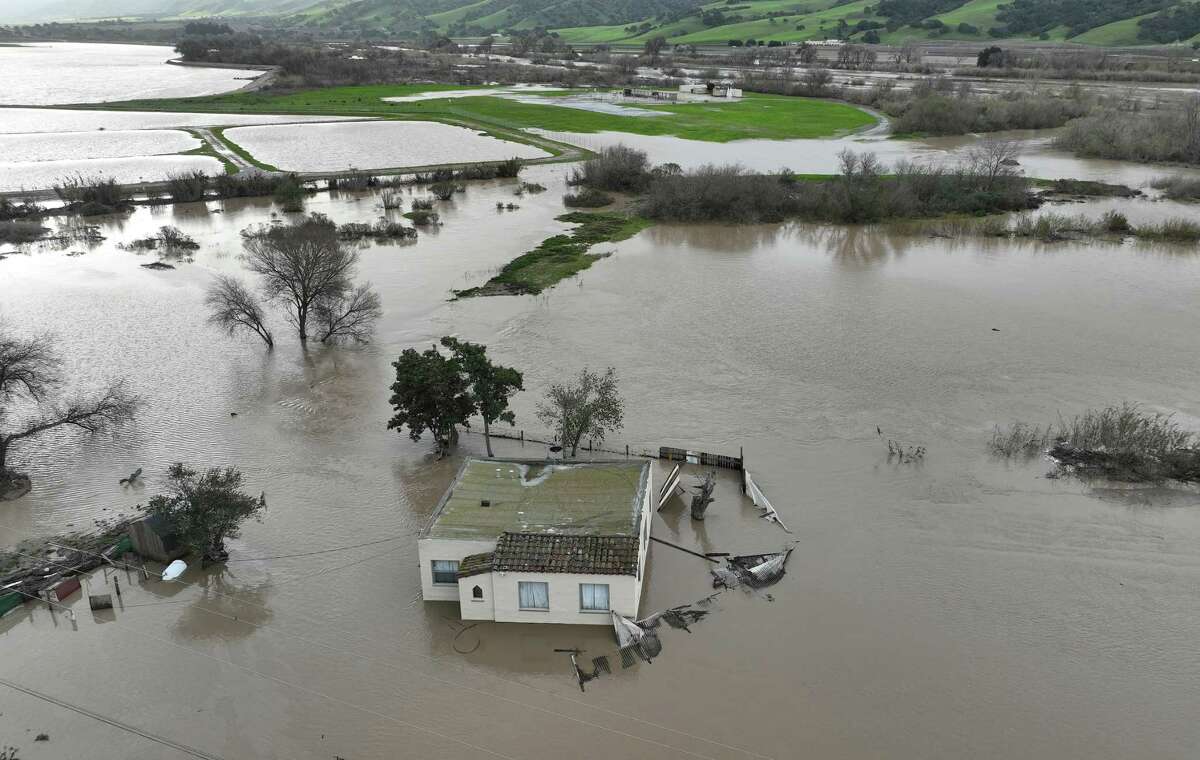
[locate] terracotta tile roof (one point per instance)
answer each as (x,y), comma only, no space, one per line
(476,564)
(553,553)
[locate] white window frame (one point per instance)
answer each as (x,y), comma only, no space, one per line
(434,572)
(521,606)
(607,598)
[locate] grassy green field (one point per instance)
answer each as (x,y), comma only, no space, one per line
(691,29)
(818,24)
(1123,32)
(756,116)
(561,256)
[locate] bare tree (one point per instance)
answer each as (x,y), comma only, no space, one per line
(993,161)
(30,373)
(302,264)
(234,306)
(589,406)
(817,83)
(350,315)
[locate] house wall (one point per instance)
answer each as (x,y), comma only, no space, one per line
(472,608)
(623,591)
(429,549)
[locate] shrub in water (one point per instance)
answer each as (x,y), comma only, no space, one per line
(587,198)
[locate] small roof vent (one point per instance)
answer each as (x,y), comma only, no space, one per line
(485,502)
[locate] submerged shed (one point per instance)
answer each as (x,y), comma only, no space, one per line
(153,538)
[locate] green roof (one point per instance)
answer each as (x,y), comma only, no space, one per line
(591,498)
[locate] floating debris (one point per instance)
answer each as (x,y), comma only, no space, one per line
(753,570)
(628,631)
(174,570)
(703,496)
(760,500)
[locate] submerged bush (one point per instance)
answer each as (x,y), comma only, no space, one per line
(1118,442)
(587,198)
(422,217)
(289,194)
(1020,438)
(391,200)
(444,191)
(617,169)
(1115,221)
(939,107)
(21,231)
(90,195)
(865,191)
(509,169)
(22,210)
(1175,230)
(1178,188)
(1168,135)
(187,187)
(245,185)
(380,230)
(168,238)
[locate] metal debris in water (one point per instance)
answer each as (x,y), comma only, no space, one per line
(753,570)
(703,496)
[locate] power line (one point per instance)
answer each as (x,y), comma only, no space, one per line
(322,551)
(552,694)
(111,721)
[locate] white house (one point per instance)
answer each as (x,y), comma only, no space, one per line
(540,542)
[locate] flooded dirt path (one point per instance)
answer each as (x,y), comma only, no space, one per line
(960,607)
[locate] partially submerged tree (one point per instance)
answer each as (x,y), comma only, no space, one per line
(350,315)
(205,508)
(491,384)
(590,406)
(30,375)
(233,306)
(307,268)
(431,393)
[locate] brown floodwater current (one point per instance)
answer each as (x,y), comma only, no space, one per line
(956,607)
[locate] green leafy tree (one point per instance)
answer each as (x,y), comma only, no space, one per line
(491,385)
(589,406)
(431,393)
(205,508)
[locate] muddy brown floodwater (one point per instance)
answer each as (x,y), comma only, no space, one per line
(957,607)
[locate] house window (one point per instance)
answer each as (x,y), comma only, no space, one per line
(445,571)
(593,597)
(477,593)
(533,595)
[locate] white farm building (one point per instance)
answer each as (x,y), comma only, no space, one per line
(540,542)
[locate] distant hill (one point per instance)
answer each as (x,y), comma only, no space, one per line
(1096,22)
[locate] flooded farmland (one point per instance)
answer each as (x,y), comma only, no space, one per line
(1038,156)
(58,73)
(956,607)
(373,145)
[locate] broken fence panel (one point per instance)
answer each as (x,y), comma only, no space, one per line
(760,500)
(670,486)
(672,454)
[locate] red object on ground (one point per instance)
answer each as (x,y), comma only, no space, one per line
(64,589)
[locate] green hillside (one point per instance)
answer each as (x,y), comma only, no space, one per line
(712,22)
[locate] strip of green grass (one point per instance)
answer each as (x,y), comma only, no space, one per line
(219,132)
(770,117)
(561,256)
(207,150)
